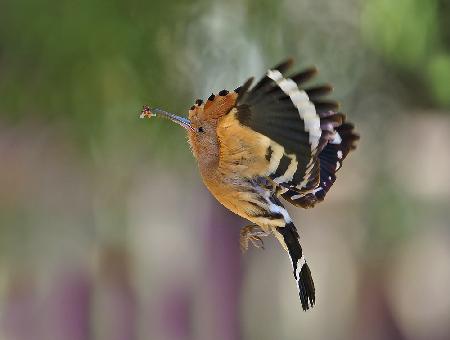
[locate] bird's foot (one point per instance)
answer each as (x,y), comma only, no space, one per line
(252,233)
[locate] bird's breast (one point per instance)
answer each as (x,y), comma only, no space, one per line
(239,180)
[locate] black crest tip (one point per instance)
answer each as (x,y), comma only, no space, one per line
(223,93)
(211,97)
(199,102)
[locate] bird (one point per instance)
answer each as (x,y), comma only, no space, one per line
(258,145)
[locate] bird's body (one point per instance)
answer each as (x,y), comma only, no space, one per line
(234,176)
(254,146)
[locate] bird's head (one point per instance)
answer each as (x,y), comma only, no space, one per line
(201,124)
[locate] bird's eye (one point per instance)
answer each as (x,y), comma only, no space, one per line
(200,129)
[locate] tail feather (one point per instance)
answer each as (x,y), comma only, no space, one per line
(302,273)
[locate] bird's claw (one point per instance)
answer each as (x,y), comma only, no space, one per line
(252,233)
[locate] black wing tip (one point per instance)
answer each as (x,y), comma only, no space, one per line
(326,105)
(242,90)
(305,75)
(247,84)
(349,137)
(307,291)
(284,65)
(316,92)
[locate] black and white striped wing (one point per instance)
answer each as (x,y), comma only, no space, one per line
(330,160)
(306,130)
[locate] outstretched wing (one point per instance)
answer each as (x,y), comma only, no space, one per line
(312,138)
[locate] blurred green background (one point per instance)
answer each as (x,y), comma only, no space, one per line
(106,231)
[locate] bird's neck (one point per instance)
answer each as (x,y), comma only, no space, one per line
(208,163)
(207,155)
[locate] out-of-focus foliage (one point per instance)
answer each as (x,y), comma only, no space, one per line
(412,35)
(86,63)
(438,73)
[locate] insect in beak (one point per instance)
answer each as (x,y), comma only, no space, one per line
(148,113)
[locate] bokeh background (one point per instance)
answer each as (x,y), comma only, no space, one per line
(106,230)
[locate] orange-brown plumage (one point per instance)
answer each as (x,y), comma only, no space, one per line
(275,140)
(227,162)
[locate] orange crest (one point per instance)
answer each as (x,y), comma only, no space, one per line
(215,107)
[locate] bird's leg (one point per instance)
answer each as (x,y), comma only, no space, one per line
(252,233)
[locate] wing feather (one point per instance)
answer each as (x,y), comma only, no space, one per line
(312,134)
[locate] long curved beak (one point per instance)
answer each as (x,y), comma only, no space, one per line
(148,113)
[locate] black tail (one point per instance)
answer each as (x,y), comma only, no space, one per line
(302,273)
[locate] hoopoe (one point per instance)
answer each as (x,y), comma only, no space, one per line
(278,139)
